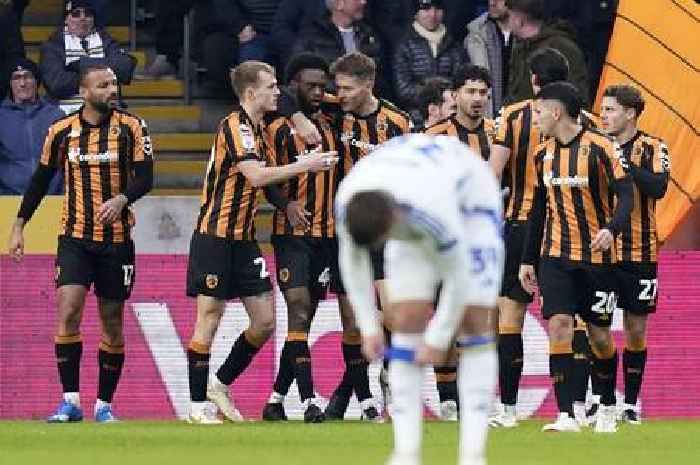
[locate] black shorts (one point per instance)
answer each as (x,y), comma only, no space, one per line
(226,269)
(304,262)
(377,257)
(578,288)
(514,239)
(638,287)
(110,266)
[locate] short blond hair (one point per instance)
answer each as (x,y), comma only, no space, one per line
(247,75)
(355,64)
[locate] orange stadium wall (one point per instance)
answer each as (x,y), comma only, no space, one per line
(159,320)
(655,46)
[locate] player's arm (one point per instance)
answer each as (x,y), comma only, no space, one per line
(141,183)
(356,269)
(498,159)
(500,148)
(259,175)
(534,233)
(38,187)
(654,182)
(621,183)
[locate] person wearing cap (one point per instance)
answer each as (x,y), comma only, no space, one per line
(74,46)
(25,121)
(427,50)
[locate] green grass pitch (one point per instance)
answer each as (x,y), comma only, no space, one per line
(348,443)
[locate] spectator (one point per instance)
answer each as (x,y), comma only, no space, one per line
(436,101)
(291,17)
(169,37)
(459,13)
(427,51)
(11,45)
(526,20)
(340,30)
(77,44)
(257,17)
(489,44)
(25,121)
(391,19)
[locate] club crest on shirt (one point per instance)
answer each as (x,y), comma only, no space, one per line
(284,275)
(585,150)
(212,281)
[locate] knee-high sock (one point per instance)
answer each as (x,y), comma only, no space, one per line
(476,379)
(406,382)
(69,350)
(561,367)
(242,353)
(510,360)
(357,368)
(111,361)
(582,366)
(285,374)
(605,370)
(633,363)
(198,370)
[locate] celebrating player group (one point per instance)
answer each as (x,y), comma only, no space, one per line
(433,243)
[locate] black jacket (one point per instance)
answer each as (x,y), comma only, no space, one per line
(414,63)
(292,16)
(62,83)
(11,46)
(321,36)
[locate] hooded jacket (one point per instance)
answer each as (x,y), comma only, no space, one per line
(22,134)
(558,35)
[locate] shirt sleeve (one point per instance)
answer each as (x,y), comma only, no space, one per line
(356,268)
(143,146)
(504,129)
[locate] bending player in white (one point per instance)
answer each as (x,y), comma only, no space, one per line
(437,206)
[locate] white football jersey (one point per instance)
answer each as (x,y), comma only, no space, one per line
(450,203)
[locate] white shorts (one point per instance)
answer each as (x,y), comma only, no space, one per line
(411,272)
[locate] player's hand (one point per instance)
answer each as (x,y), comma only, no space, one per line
(306,129)
(427,355)
(528,278)
(373,346)
(16,245)
(319,161)
(296,215)
(111,210)
(602,241)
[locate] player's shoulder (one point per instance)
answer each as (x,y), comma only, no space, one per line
(547,146)
(273,123)
(63,123)
(393,111)
(594,136)
(515,108)
(589,119)
(648,139)
(440,127)
(134,122)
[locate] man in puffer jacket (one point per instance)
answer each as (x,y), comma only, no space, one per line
(526,18)
(426,51)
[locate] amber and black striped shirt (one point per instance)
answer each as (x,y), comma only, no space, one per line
(577,183)
(359,135)
(638,241)
(98,163)
(229,200)
(316,191)
(478,139)
(516,132)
